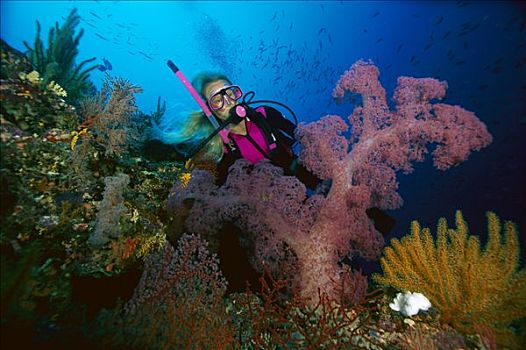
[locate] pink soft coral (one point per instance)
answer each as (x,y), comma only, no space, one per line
(320,230)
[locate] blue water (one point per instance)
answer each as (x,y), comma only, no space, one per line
(294,52)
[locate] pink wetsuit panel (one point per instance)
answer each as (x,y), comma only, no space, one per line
(247,149)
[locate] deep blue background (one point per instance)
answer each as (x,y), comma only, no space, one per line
(295,51)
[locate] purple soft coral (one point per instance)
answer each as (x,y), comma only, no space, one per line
(320,230)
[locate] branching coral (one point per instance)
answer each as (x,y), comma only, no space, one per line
(177,303)
(57,61)
(467,284)
(320,230)
(108,115)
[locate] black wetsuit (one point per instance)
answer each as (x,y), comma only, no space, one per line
(282,156)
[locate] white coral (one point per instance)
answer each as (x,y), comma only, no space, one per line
(110,210)
(409,304)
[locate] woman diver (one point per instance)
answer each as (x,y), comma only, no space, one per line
(239,131)
(226,130)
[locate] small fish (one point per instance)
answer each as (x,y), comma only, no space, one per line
(399,48)
(365,30)
(330,39)
(95,15)
(145,55)
(106,66)
(100,36)
(275,15)
(459,63)
(428,46)
(446,35)
(322,29)
(379,40)
(440,19)
(290,28)
(375,14)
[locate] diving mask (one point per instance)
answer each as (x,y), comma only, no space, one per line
(216,100)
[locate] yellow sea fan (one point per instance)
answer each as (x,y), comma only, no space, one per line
(467,284)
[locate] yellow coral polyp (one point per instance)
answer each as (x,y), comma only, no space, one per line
(57,89)
(75,137)
(185,178)
(33,77)
(24,93)
(135,216)
(151,243)
(74,141)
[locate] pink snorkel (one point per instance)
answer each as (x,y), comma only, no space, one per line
(223,133)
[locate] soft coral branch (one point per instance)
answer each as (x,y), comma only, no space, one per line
(320,230)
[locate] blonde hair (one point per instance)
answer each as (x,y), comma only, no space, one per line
(196,128)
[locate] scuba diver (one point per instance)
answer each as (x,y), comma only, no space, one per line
(231,130)
(227,129)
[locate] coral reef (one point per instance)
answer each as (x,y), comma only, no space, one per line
(50,190)
(318,231)
(467,284)
(28,103)
(178,301)
(63,173)
(57,61)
